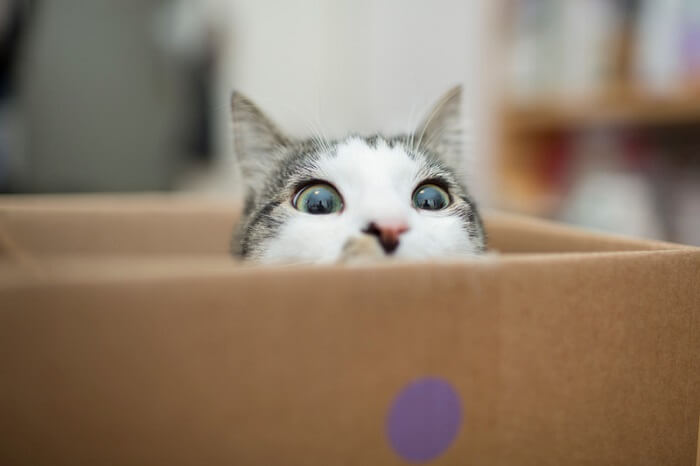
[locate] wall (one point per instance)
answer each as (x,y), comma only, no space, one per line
(353,65)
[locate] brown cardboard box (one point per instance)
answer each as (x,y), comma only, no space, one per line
(127,336)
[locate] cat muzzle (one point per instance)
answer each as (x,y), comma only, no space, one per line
(387,233)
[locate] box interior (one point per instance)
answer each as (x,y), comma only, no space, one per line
(160,225)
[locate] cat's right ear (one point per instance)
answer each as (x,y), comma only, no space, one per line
(258,144)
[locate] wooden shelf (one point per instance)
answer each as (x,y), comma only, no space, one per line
(536,139)
(621,110)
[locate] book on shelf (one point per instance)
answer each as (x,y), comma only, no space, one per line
(572,49)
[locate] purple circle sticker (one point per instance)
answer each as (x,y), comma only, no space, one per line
(424,419)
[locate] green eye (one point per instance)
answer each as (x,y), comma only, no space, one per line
(318,199)
(430,197)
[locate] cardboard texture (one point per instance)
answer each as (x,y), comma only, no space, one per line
(128,336)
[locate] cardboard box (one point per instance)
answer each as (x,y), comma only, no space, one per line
(128,336)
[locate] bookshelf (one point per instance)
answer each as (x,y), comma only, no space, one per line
(628,92)
(628,109)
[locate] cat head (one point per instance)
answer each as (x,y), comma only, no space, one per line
(314,200)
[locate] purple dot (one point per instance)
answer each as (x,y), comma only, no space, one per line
(424,419)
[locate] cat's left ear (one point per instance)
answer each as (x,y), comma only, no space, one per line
(258,143)
(441,131)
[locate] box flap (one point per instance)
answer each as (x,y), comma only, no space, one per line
(170,224)
(129,225)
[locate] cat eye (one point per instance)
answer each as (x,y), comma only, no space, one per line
(318,199)
(430,197)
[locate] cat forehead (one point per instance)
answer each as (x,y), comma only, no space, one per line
(357,160)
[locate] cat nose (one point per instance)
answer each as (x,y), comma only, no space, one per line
(387,234)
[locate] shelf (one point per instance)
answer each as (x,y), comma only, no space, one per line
(557,114)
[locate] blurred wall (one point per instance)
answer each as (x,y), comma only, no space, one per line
(353,65)
(104,103)
(100,105)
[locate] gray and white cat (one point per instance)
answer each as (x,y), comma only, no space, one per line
(319,201)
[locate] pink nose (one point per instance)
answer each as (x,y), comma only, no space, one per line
(387,234)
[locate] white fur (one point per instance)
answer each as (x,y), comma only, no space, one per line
(376,185)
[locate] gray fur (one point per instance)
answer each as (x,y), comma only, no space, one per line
(274,166)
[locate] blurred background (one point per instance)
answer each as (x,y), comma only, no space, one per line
(585,111)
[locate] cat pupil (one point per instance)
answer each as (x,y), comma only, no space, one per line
(319,202)
(430,198)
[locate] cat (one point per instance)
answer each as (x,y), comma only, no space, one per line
(356,198)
